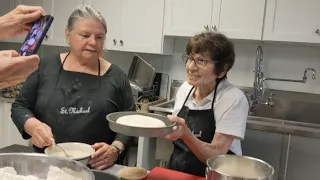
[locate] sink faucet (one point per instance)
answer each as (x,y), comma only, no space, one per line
(259,79)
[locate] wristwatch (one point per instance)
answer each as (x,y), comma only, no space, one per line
(118,149)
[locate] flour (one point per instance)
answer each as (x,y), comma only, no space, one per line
(140,121)
(55,173)
(235,170)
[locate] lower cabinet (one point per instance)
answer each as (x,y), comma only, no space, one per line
(9,133)
(266,146)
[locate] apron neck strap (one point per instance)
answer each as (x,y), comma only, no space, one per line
(64,60)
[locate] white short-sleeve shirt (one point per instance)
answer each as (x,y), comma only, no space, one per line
(230,109)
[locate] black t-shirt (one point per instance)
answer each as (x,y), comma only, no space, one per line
(40,98)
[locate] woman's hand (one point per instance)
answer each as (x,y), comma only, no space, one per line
(104,157)
(180,131)
(41,134)
(18,21)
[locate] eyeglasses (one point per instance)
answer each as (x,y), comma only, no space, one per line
(200,62)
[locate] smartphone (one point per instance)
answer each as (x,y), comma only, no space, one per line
(36,35)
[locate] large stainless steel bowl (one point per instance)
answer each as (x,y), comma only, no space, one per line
(38,164)
(243,164)
(139,131)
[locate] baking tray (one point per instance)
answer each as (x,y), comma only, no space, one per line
(137,131)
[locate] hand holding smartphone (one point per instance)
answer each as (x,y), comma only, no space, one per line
(36,35)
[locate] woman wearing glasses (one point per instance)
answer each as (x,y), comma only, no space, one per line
(210,112)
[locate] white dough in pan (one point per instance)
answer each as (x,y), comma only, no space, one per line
(140,121)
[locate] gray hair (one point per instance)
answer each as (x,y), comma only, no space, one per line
(85,11)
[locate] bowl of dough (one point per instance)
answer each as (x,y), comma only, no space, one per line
(233,167)
(36,166)
(80,152)
(140,124)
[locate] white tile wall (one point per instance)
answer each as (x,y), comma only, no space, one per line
(280,60)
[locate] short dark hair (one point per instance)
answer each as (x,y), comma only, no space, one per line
(220,48)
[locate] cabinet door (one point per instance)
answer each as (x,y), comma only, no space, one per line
(111,11)
(5,7)
(61,11)
(239,19)
(141,26)
(292,20)
(265,146)
(21,38)
(304,158)
(187,17)
(11,135)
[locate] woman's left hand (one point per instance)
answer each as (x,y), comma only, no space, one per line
(180,131)
(104,157)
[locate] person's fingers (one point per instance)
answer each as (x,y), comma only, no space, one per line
(45,136)
(103,166)
(104,162)
(14,53)
(31,17)
(30,9)
(8,53)
(177,120)
(98,158)
(48,129)
(40,143)
(97,145)
(99,152)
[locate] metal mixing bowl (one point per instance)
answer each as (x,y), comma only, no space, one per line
(38,164)
(243,163)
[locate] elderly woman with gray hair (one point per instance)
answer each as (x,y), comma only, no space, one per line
(71,93)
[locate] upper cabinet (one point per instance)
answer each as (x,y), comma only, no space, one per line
(292,21)
(5,7)
(111,11)
(187,17)
(21,38)
(134,26)
(238,19)
(61,11)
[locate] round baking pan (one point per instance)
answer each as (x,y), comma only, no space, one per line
(139,131)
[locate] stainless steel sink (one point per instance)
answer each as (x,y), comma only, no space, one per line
(291,106)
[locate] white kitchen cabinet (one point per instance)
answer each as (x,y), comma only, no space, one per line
(9,133)
(21,38)
(187,17)
(239,19)
(5,7)
(111,11)
(61,11)
(134,26)
(292,21)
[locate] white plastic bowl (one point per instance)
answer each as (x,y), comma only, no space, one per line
(69,148)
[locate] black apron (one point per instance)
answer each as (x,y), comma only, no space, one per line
(75,110)
(202,125)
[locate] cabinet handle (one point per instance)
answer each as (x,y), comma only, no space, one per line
(214,27)
(206,27)
(114,41)
(317,31)
(121,42)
